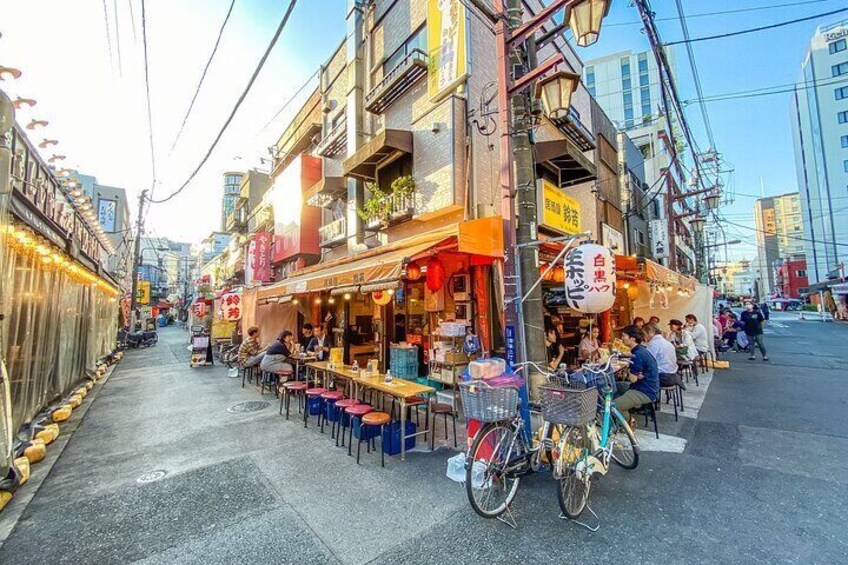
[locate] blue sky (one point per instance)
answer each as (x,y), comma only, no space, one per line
(753,134)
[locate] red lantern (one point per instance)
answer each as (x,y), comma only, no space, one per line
(546,276)
(413,271)
(559,274)
(435,274)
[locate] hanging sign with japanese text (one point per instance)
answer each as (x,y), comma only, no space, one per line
(447,46)
(557,211)
(590,279)
(262,256)
(231,306)
(659,238)
(142,295)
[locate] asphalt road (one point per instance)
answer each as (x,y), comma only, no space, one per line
(763,478)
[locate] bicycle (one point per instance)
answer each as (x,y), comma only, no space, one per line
(583,450)
(500,453)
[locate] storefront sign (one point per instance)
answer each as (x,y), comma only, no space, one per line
(261,260)
(106,211)
(295,224)
(142,295)
(612,239)
(510,346)
(557,211)
(231,307)
(659,239)
(447,46)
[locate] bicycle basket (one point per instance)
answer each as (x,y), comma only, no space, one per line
(568,406)
(488,404)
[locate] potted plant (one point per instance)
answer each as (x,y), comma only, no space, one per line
(402,190)
(376,208)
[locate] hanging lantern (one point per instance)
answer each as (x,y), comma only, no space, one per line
(547,274)
(413,271)
(381,297)
(559,275)
(435,274)
(633,292)
(590,279)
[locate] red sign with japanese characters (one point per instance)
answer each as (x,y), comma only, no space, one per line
(231,306)
(261,260)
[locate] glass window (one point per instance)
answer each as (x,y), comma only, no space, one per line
(628,99)
(417,40)
(837,46)
(845,165)
(843,117)
(643,63)
(844,141)
(626,84)
(625,67)
(840,69)
(842,93)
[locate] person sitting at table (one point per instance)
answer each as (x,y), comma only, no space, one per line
(654,320)
(639,322)
(590,346)
(643,382)
(306,336)
(665,355)
(556,350)
(250,353)
(320,343)
(278,355)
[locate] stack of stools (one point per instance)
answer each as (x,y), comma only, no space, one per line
(446,410)
(342,419)
(329,410)
(311,393)
(296,389)
(372,420)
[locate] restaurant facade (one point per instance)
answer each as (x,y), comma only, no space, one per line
(59,305)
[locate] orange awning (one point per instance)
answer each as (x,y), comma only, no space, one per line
(482,237)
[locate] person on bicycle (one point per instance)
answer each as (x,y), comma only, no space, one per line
(643,382)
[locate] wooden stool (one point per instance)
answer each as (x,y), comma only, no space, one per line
(372,419)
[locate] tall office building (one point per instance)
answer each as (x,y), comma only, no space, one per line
(820,131)
(779,235)
(232,185)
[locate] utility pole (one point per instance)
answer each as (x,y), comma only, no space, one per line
(136,258)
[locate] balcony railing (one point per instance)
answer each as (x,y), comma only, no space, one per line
(401,208)
(396,82)
(572,128)
(237,220)
(335,141)
(333,234)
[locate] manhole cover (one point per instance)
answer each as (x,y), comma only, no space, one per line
(151,476)
(249,406)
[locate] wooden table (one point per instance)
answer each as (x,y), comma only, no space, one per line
(400,389)
(339,371)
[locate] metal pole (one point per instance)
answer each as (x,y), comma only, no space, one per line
(136,258)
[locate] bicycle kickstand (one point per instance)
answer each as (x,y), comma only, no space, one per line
(508,518)
(592,529)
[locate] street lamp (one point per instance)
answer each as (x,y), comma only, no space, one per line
(697,224)
(585,20)
(711,201)
(556,91)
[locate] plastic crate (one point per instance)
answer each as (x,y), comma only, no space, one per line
(314,405)
(369,431)
(403,362)
(429,382)
(391,437)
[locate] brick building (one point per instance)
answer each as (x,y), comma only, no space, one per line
(790,276)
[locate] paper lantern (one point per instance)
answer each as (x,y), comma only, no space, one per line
(381,297)
(546,276)
(435,274)
(633,291)
(558,274)
(413,271)
(590,279)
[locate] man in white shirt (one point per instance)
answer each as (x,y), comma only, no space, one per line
(665,354)
(699,333)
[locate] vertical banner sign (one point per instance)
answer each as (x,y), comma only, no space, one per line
(659,239)
(106,213)
(249,260)
(510,346)
(231,307)
(262,256)
(447,46)
(143,292)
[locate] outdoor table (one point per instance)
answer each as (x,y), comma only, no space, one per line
(339,371)
(302,358)
(402,390)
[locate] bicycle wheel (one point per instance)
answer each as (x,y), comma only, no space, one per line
(490,488)
(574,482)
(625,451)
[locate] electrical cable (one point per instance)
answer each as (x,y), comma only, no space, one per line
(147,94)
(108,34)
(695,75)
(132,21)
(805,239)
(755,29)
(723,12)
(203,75)
(261,64)
(287,102)
(117,36)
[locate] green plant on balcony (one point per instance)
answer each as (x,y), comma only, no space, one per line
(377,209)
(403,187)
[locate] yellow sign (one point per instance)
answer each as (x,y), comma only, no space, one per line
(142,294)
(447,46)
(558,211)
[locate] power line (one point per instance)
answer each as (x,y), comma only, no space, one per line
(288,102)
(132,21)
(723,12)
(203,76)
(280,28)
(147,92)
(696,77)
(108,34)
(117,36)
(820,241)
(755,29)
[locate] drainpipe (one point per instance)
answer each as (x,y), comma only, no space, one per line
(355,113)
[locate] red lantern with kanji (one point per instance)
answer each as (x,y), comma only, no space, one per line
(435,274)
(413,271)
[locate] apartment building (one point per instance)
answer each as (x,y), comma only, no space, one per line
(780,234)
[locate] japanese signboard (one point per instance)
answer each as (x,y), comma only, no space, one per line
(659,239)
(142,295)
(231,306)
(261,266)
(590,279)
(295,225)
(447,46)
(557,211)
(612,238)
(106,210)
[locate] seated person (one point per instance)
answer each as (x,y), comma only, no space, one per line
(305,336)
(320,343)
(556,351)
(590,346)
(665,355)
(278,353)
(643,382)
(250,353)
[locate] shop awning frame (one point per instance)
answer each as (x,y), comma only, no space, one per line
(563,158)
(383,148)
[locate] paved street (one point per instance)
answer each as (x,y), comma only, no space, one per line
(763,478)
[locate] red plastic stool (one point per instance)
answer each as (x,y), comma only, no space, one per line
(354,412)
(296,388)
(373,419)
(275,376)
(310,394)
(330,398)
(341,406)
